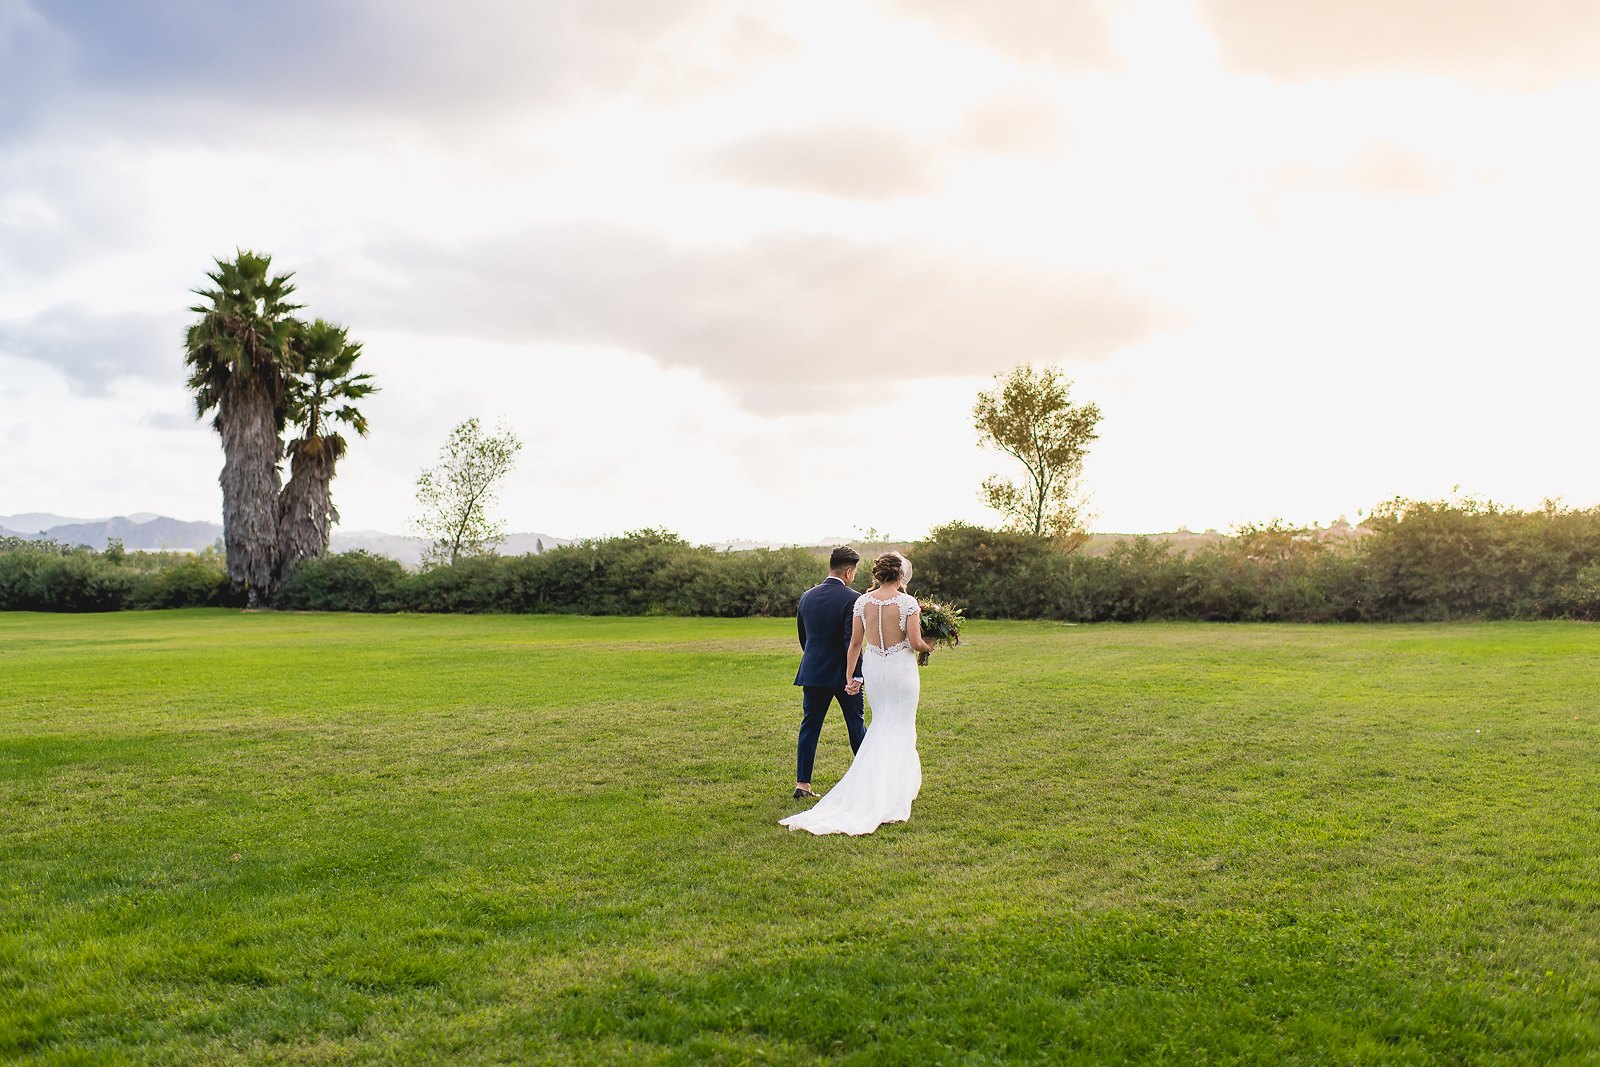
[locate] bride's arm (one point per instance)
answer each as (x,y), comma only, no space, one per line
(857,635)
(914,632)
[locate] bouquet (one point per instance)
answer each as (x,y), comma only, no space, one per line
(941,626)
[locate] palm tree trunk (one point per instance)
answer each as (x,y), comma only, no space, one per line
(250,482)
(305,510)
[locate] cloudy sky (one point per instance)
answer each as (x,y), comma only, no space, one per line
(740,268)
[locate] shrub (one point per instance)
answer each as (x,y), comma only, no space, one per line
(993,574)
(1581,598)
(468,586)
(192,582)
(343,581)
(759,582)
(1473,558)
(18,565)
(81,581)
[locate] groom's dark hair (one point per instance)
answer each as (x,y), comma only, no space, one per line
(843,557)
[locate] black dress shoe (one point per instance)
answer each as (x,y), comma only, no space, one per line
(800,793)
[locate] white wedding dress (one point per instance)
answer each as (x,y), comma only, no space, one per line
(886,774)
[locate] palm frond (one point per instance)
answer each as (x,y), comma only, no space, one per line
(324,384)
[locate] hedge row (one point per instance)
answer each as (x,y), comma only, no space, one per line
(648,572)
(1416,561)
(644,573)
(38,576)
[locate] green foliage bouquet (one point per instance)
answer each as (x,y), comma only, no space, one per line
(941,626)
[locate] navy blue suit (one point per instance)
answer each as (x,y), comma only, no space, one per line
(824,624)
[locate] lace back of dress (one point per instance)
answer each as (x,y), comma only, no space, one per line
(881,619)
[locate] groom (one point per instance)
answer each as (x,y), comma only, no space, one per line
(824,620)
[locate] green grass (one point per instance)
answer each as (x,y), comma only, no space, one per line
(234,838)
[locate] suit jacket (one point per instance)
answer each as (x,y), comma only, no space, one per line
(824,624)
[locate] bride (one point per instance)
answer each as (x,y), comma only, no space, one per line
(887,773)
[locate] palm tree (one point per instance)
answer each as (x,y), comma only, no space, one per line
(319,397)
(238,355)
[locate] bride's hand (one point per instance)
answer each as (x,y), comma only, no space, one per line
(854,687)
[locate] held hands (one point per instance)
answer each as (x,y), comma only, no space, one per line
(854,687)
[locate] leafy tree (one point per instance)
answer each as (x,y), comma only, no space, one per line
(457,494)
(239,354)
(318,399)
(1030,416)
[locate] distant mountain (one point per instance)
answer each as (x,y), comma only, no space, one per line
(152,534)
(146,532)
(408,550)
(30,523)
(520,544)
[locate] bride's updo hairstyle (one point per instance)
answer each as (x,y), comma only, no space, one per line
(891,567)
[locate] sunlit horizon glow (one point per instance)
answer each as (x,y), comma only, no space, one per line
(691,251)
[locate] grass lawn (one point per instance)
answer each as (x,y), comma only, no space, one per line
(253,838)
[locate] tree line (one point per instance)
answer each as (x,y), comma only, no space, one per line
(1416,561)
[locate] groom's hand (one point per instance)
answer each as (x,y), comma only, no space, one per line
(854,687)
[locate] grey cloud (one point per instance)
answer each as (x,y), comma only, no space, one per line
(414,59)
(59,208)
(93,350)
(170,421)
(778,320)
(1063,33)
(1528,44)
(854,160)
(32,60)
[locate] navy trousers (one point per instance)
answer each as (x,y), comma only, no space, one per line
(817,700)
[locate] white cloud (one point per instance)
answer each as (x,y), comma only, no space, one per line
(777,320)
(1016,124)
(1532,44)
(855,160)
(67,450)
(1066,33)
